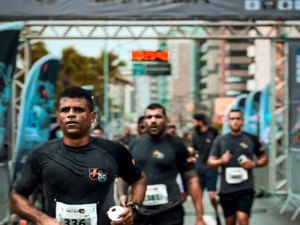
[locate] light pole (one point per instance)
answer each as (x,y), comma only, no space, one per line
(106,92)
(106,87)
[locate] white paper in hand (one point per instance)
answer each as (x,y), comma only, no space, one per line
(114,213)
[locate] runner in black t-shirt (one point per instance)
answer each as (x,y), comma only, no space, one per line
(202,140)
(161,157)
(237,153)
(77,171)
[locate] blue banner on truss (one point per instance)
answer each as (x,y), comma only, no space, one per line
(37,106)
(9,39)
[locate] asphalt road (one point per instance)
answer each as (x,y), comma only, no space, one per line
(265,211)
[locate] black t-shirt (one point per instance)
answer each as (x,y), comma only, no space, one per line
(202,143)
(161,160)
(76,175)
(244,144)
(127,140)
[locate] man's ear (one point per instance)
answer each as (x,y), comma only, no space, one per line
(93,117)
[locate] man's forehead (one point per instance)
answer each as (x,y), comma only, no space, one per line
(154,112)
(235,113)
(66,101)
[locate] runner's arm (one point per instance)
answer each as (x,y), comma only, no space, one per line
(137,190)
(261,161)
(196,193)
(260,152)
(122,190)
(25,209)
(136,196)
(214,162)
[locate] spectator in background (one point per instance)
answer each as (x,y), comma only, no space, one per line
(127,137)
(171,129)
(97,131)
(141,129)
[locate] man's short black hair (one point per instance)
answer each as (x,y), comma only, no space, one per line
(78,92)
(141,119)
(98,127)
(157,106)
(200,117)
(172,126)
(236,110)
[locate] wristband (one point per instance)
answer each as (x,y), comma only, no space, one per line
(135,207)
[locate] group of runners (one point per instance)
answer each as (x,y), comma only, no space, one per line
(77,173)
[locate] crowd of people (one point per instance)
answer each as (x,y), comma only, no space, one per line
(152,171)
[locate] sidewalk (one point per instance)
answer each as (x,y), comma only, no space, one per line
(265,211)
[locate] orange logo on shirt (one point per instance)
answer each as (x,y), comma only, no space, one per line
(93,173)
(158,154)
(190,160)
(97,174)
(243,145)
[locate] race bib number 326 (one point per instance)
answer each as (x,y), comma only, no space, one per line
(76,221)
(83,214)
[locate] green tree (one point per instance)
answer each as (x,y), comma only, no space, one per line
(37,51)
(79,70)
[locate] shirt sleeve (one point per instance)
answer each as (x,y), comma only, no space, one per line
(184,161)
(259,150)
(29,177)
(194,141)
(215,149)
(127,168)
(216,133)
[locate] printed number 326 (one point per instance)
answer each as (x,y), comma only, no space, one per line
(74,222)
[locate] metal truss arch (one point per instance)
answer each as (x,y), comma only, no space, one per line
(161,30)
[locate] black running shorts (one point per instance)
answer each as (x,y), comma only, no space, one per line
(237,201)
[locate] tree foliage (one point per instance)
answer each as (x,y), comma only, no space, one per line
(80,70)
(37,51)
